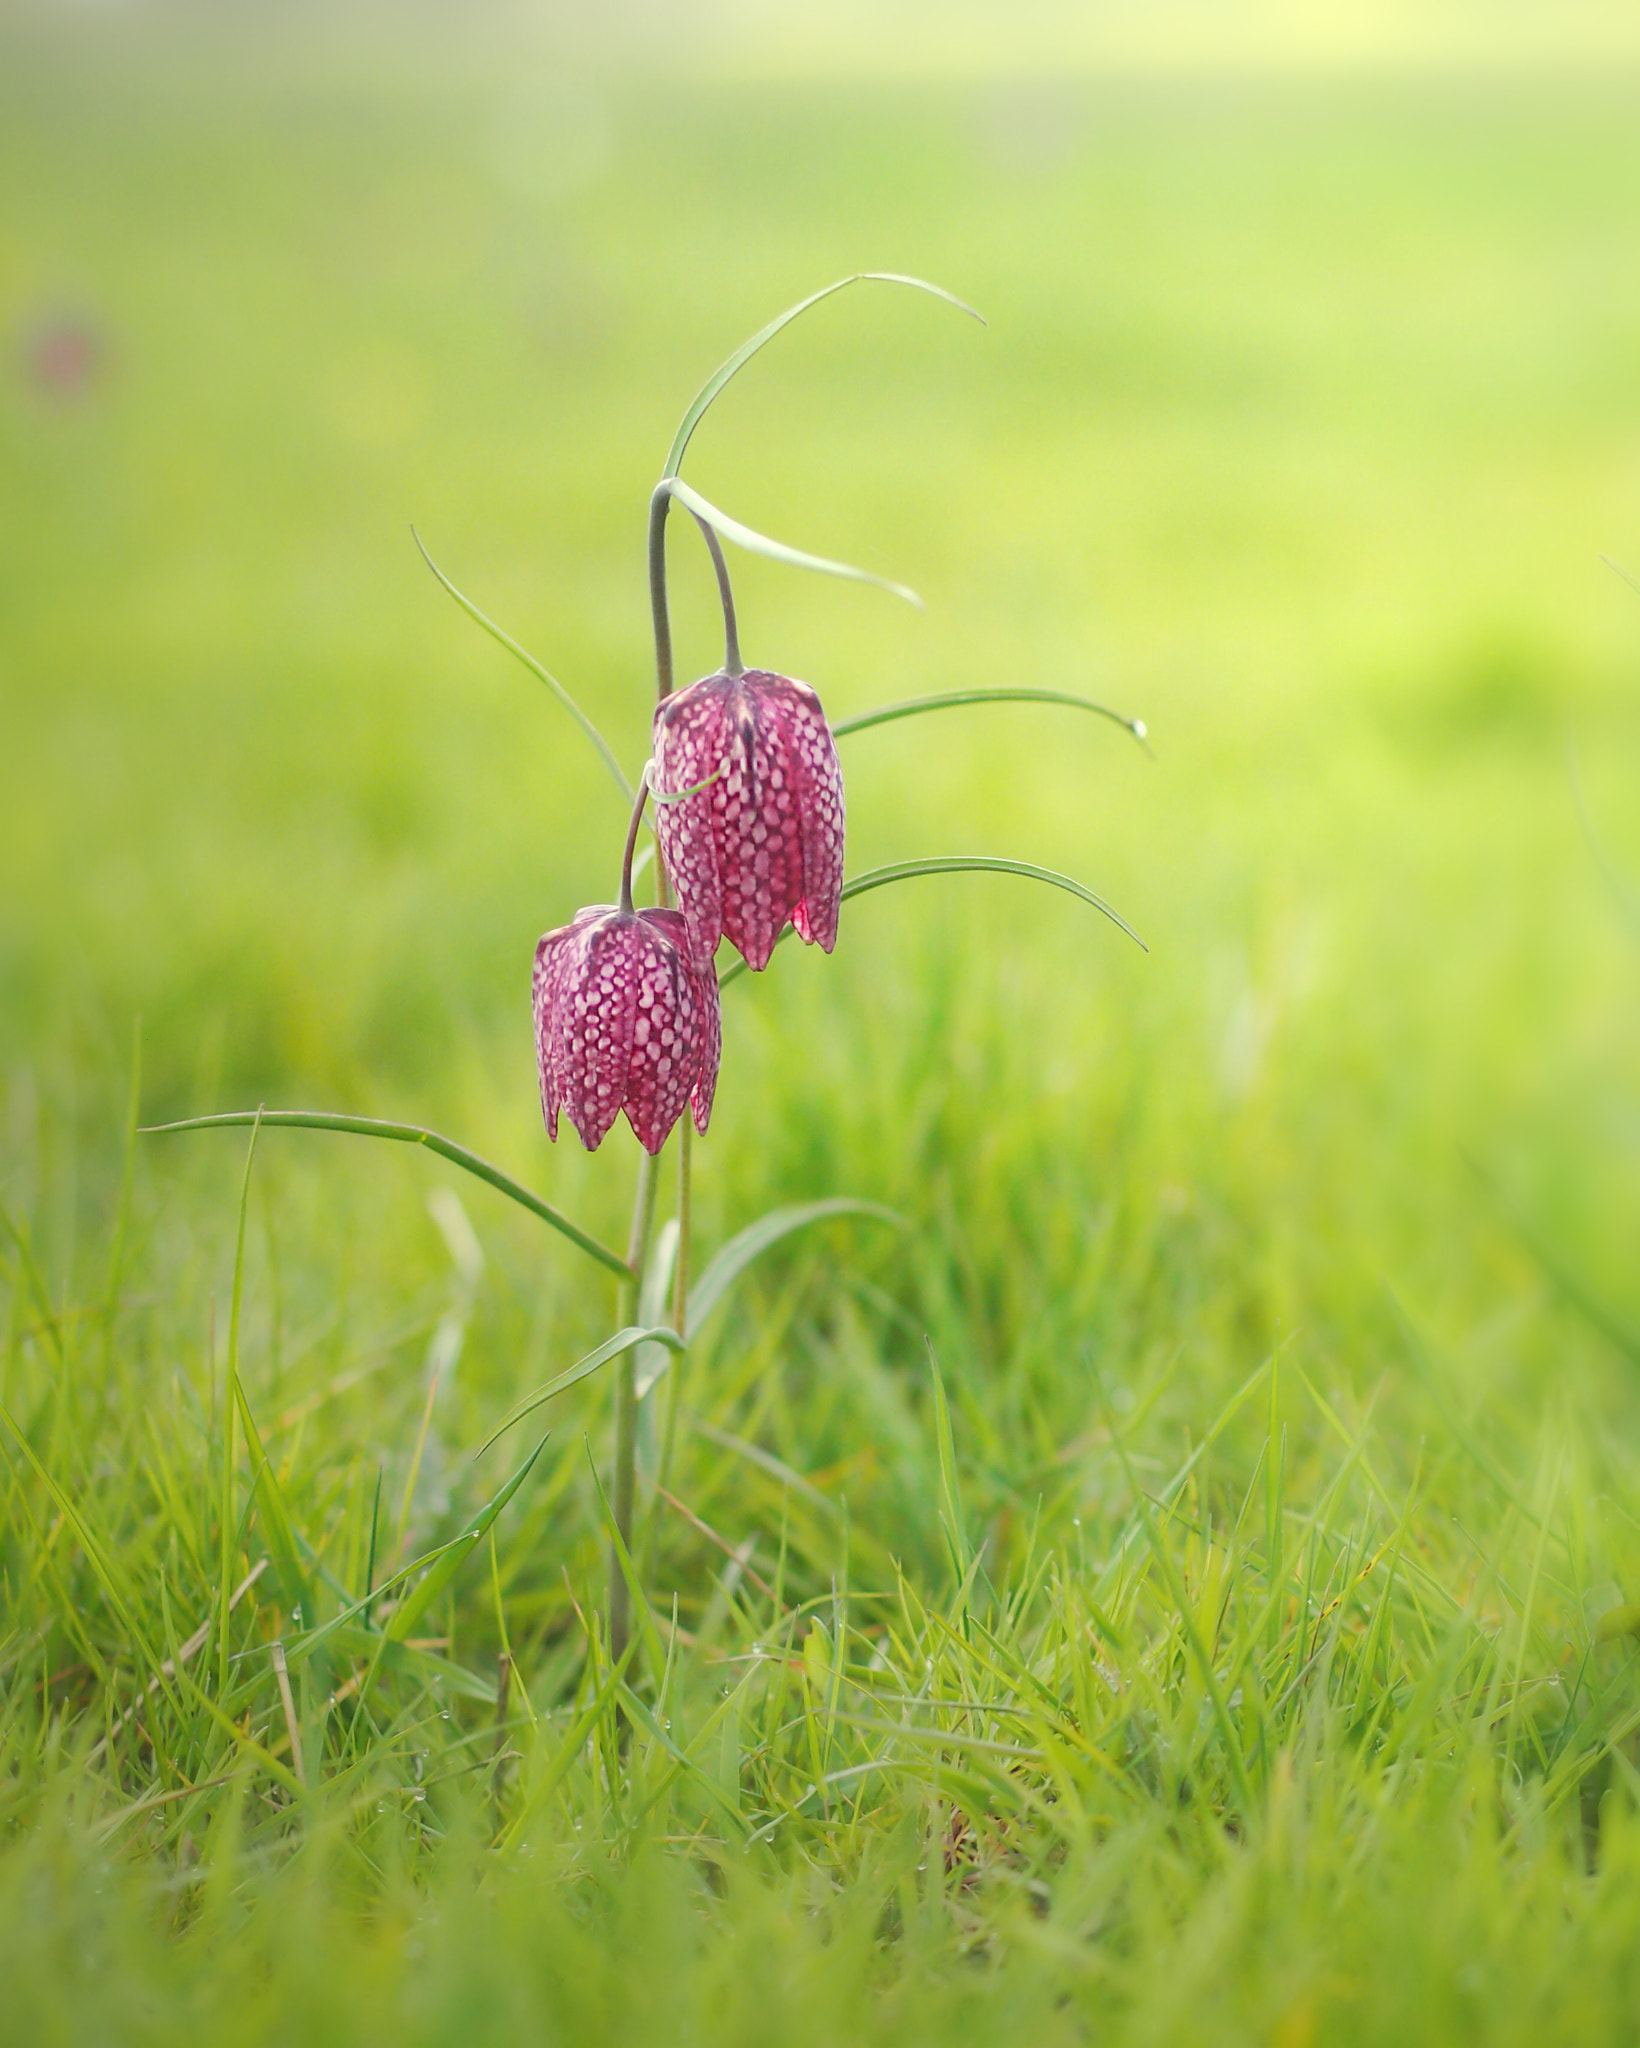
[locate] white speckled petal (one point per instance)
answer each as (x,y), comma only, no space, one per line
(592,1038)
(689,739)
(665,1044)
(819,778)
(624,1021)
(764,842)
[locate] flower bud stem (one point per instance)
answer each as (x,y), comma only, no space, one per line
(632,842)
(732,663)
(659,505)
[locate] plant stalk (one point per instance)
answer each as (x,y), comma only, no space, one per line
(732,663)
(680,1297)
(626,1410)
(632,843)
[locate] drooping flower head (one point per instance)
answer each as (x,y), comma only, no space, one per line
(624,1020)
(763,840)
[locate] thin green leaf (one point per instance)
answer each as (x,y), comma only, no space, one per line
(734,1257)
(408,1134)
(612,1347)
(776,550)
(726,371)
(606,752)
(949,700)
(959,864)
(453,1555)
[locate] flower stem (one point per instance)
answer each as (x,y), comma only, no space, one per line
(626,1410)
(632,842)
(659,505)
(680,1295)
(732,663)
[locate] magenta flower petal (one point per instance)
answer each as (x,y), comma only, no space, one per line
(763,842)
(819,781)
(623,1021)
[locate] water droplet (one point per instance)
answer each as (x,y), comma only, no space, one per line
(1140,729)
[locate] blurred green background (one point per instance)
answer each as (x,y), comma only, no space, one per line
(1307,407)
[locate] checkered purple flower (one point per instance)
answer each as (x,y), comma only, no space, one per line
(763,840)
(624,1020)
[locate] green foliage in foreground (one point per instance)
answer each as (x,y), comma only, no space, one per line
(1318,1718)
(1238,1651)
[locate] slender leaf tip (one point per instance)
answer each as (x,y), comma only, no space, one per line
(731,366)
(542,674)
(959,864)
(777,551)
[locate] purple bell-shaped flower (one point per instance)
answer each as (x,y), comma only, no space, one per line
(762,840)
(624,1020)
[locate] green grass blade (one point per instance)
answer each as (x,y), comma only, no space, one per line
(230,1391)
(100,1561)
(277,1527)
(408,1134)
(570,1749)
(951,1517)
(950,700)
(605,751)
(612,1347)
(726,371)
(959,864)
(451,1556)
(646,1629)
(732,1260)
(777,551)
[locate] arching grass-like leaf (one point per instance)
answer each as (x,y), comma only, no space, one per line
(606,752)
(777,551)
(726,371)
(451,1556)
(612,1347)
(733,1259)
(950,700)
(959,864)
(408,1134)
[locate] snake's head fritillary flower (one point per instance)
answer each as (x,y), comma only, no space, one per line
(624,1020)
(763,840)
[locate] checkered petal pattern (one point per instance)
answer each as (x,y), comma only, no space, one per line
(763,842)
(624,1021)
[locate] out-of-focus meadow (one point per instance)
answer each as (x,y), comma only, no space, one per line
(1307,408)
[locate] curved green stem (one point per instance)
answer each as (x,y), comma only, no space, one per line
(660,504)
(632,842)
(732,663)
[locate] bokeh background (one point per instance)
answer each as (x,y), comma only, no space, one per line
(1309,404)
